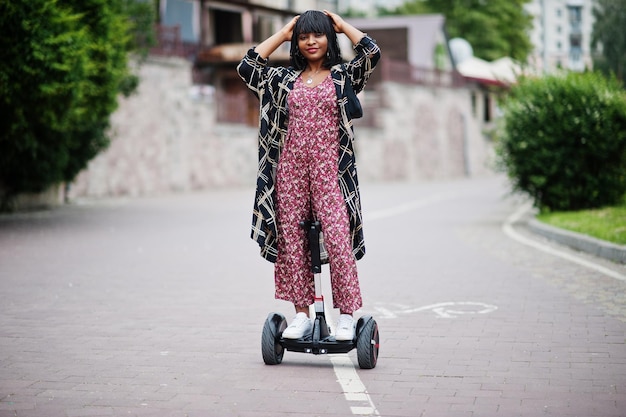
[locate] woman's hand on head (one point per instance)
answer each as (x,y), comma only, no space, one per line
(338,22)
(341,26)
(287,30)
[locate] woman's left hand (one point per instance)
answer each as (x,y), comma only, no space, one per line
(338,22)
(341,26)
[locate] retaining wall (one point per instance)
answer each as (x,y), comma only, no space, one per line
(165,138)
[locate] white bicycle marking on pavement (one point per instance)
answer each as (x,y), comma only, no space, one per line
(354,390)
(446,310)
(508,229)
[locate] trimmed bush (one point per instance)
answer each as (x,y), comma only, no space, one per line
(563,140)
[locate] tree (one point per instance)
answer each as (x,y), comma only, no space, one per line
(608,38)
(62,65)
(494,28)
(141,15)
(43,65)
(409,7)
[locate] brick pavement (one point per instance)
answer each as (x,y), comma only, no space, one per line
(154,307)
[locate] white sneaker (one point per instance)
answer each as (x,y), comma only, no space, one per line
(300,326)
(345,328)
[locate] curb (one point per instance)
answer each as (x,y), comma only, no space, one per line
(597,247)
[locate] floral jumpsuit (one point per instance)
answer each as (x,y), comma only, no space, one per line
(307,175)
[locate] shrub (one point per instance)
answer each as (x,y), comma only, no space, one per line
(563,140)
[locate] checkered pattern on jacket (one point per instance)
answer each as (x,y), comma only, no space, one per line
(272,86)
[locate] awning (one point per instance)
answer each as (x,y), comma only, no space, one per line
(503,71)
(232,53)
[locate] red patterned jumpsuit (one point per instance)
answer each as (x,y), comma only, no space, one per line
(307,174)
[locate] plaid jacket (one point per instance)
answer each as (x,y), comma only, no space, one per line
(272,86)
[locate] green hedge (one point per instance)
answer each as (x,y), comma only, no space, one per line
(563,140)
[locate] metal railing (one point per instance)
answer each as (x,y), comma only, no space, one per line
(403,72)
(170,43)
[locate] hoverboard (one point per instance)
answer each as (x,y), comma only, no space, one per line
(319,341)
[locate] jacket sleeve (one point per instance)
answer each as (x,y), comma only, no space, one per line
(252,69)
(362,66)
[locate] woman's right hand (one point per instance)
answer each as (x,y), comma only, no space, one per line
(287,30)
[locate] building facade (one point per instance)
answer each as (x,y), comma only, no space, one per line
(368,8)
(422,120)
(232,21)
(561,34)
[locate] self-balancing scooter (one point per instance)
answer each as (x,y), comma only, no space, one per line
(320,341)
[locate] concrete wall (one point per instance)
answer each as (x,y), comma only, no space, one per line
(424,133)
(165,138)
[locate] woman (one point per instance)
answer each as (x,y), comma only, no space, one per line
(306,160)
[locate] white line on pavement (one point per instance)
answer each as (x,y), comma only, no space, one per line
(353,388)
(406,207)
(508,229)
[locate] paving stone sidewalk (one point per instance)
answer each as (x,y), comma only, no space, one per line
(154,307)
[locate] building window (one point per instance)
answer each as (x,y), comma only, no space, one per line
(487,107)
(575,18)
(474,104)
(227,27)
(575,54)
(575,14)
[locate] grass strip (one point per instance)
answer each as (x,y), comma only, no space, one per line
(608,223)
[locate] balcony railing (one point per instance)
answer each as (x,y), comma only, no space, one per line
(403,72)
(170,43)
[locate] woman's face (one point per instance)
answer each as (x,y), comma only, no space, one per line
(313,46)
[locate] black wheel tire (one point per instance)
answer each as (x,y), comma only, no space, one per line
(367,343)
(271,348)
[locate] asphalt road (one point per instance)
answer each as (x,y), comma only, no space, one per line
(154,307)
